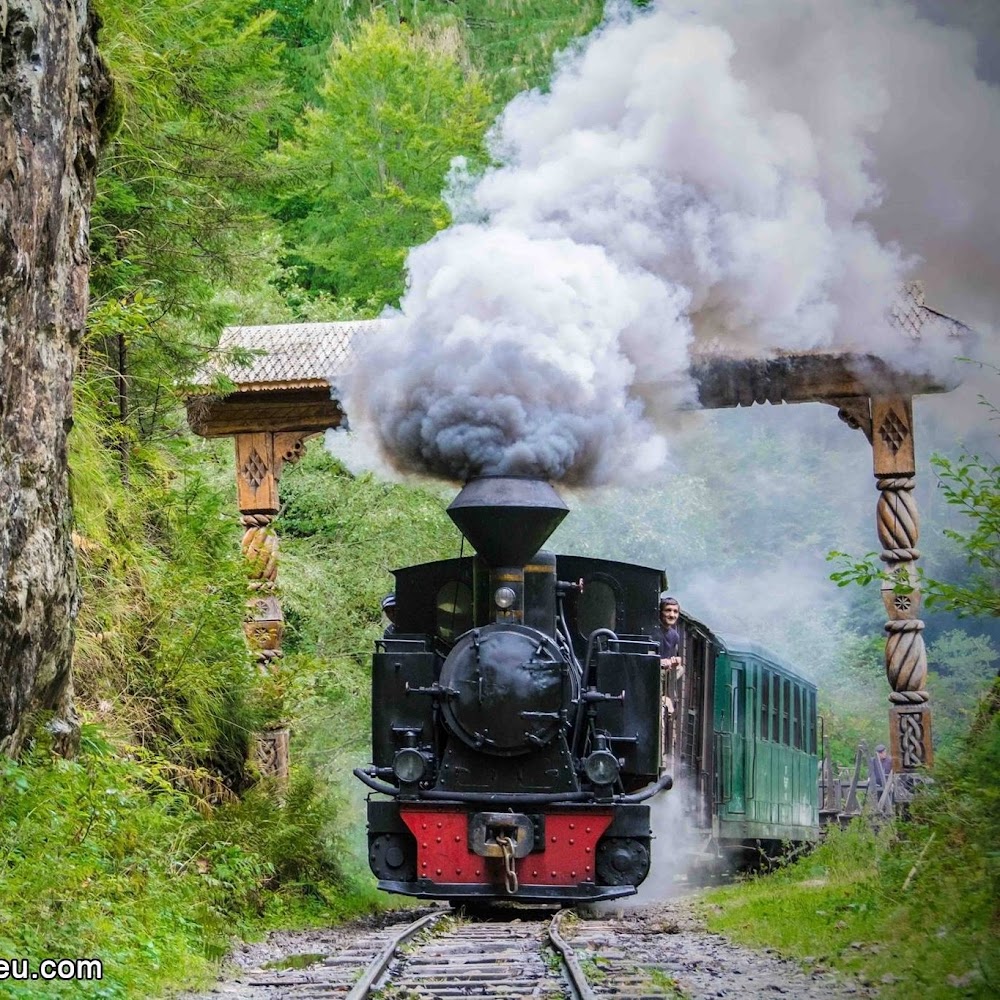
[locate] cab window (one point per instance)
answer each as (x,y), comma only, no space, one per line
(453,610)
(597,607)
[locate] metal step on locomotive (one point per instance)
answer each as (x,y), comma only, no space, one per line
(519,729)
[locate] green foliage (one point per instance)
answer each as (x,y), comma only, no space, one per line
(962,666)
(511,42)
(199,91)
(282,856)
(852,697)
(361,182)
(971,485)
(175,220)
(160,639)
(89,866)
(912,908)
(103,857)
(341,536)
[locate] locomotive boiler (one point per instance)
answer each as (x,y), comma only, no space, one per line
(517,724)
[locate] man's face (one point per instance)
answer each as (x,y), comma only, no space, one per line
(669,613)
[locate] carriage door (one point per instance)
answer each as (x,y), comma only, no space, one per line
(738,698)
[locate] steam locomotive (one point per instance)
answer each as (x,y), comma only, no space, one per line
(521,722)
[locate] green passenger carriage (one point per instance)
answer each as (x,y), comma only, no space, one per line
(764,726)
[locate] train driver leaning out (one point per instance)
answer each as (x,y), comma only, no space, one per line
(667,636)
(389,610)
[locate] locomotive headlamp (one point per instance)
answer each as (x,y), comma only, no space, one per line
(602,767)
(504,597)
(409,764)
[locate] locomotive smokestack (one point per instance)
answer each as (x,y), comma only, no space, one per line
(507,519)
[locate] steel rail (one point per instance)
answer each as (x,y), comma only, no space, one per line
(362,989)
(579,986)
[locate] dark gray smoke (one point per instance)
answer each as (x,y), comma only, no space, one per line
(703,176)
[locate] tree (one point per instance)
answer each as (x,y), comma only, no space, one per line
(175,216)
(971,484)
(362,181)
(962,668)
(54,91)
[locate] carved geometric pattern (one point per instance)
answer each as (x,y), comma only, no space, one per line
(911,739)
(893,432)
(902,602)
(254,470)
(272,753)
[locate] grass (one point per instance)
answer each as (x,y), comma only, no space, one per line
(101,857)
(666,984)
(913,908)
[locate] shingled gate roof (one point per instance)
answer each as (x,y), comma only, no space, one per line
(310,355)
(291,356)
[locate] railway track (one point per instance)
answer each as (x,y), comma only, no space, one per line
(444,956)
(561,958)
(642,953)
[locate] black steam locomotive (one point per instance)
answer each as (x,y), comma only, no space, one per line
(518,724)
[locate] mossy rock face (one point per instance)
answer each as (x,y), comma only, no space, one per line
(52,141)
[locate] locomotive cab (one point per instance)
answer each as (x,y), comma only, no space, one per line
(516,723)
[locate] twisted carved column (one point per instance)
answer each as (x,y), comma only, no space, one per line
(898,526)
(264,624)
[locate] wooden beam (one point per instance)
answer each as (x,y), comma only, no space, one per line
(306,410)
(801,378)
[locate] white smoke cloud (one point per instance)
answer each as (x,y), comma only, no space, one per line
(702,176)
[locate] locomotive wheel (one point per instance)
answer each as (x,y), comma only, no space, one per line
(622,861)
(393,856)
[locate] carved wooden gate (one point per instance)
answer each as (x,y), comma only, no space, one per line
(285,395)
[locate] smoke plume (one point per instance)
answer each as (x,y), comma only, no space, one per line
(701,176)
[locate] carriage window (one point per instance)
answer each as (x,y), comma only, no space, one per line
(737,690)
(453,609)
(597,607)
(775,708)
(812,722)
(797,721)
(786,706)
(765,705)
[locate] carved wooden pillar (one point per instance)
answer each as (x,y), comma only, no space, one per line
(898,530)
(257,482)
(260,458)
(279,402)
